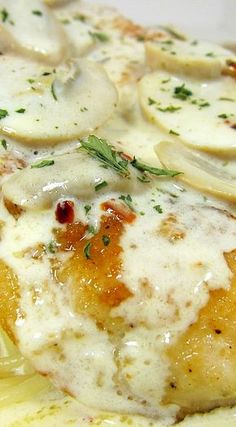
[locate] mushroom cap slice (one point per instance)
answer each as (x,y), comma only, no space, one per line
(194,58)
(29,28)
(198,170)
(201,114)
(46,105)
(70,175)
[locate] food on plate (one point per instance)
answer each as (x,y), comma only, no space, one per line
(117,221)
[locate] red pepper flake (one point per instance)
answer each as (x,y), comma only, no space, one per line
(234,126)
(65,212)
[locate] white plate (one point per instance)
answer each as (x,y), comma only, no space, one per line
(213,20)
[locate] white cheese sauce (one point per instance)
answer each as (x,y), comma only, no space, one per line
(172,257)
(172,254)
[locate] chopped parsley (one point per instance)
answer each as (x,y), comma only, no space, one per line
(172,132)
(204,104)
(101,37)
(53,91)
(52,247)
(4,144)
(79,17)
(154,171)
(101,185)
(31,81)
(106,240)
(158,209)
(21,110)
(87,250)
(168,42)
(165,81)
(37,12)
(211,54)
(3,113)
(91,229)
(83,109)
(169,109)
(87,208)
(143,178)
(128,201)
(151,101)
(42,164)
(4,15)
(223,116)
(181,92)
(224,98)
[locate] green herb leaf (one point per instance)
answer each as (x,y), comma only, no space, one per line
(106,240)
(224,98)
(128,201)
(4,144)
(101,185)
(37,12)
(204,104)
(151,101)
(102,37)
(79,17)
(158,209)
(101,150)
(3,114)
(154,171)
(52,247)
(169,42)
(4,15)
(91,229)
(223,116)
(169,109)
(87,250)
(181,92)
(211,54)
(53,91)
(172,132)
(87,208)
(165,81)
(42,164)
(21,110)
(143,178)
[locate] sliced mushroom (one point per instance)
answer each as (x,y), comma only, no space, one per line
(30,28)
(201,114)
(198,170)
(194,58)
(42,105)
(80,34)
(69,175)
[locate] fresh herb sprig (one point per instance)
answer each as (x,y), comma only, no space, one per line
(101,150)
(152,170)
